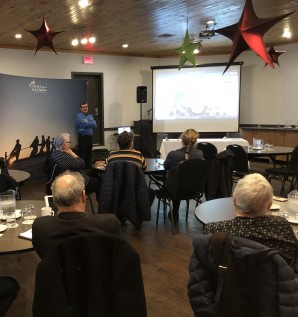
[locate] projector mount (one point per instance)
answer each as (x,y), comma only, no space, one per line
(207,33)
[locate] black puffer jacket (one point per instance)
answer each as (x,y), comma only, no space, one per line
(124,192)
(267,283)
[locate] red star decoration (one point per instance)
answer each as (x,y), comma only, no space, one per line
(274,55)
(44,36)
(248,33)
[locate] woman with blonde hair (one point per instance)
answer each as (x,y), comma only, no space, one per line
(188,151)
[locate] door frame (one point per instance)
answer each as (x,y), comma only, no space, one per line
(99,97)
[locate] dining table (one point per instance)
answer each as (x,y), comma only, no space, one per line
(10,241)
(222,209)
(271,153)
(154,166)
(155,169)
(20,176)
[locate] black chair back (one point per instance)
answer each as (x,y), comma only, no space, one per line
(3,166)
(209,150)
(7,182)
(90,275)
(53,172)
(240,160)
(285,174)
(293,164)
(189,178)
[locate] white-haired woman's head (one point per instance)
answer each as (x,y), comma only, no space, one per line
(253,195)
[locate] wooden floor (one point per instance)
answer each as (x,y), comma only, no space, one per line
(164,259)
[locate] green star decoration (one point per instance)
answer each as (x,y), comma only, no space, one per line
(186,51)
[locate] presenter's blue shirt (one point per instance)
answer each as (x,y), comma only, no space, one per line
(85,124)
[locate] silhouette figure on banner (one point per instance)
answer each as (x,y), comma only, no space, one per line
(48,144)
(16,150)
(53,146)
(42,144)
(34,146)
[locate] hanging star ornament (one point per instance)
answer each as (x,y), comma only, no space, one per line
(186,51)
(44,36)
(274,55)
(249,32)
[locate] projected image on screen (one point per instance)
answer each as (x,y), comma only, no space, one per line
(196,97)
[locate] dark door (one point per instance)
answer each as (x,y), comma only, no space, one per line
(94,96)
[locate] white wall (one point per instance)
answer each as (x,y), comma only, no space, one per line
(268,96)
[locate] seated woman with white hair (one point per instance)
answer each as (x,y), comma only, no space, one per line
(252,200)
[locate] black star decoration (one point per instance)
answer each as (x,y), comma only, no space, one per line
(274,55)
(44,36)
(248,33)
(186,51)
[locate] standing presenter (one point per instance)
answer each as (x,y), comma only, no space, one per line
(85,124)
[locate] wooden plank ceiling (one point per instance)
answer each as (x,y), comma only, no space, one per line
(152,28)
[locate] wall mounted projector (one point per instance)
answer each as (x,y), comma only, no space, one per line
(207,34)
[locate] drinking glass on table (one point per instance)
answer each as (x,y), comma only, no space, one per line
(8,207)
(28,214)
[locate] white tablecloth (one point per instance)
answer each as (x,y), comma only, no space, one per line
(221,144)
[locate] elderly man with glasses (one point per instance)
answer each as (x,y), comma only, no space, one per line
(66,159)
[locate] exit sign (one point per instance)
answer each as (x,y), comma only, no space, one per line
(88,60)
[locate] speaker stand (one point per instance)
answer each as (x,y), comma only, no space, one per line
(142,140)
(141,129)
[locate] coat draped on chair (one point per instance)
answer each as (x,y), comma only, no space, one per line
(124,192)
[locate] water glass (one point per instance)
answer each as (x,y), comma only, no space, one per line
(28,214)
(292,206)
(166,137)
(8,207)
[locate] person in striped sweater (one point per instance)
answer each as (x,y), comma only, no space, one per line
(126,151)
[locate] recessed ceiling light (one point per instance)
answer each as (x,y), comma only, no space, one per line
(287,33)
(92,39)
(125,45)
(83,3)
(74,42)
(18,36)
(84,40)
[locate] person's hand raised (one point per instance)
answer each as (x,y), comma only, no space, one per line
(69,151)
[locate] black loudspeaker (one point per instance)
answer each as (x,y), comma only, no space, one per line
(141,94)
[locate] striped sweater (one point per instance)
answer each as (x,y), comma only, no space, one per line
(129,155)
(66,162)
